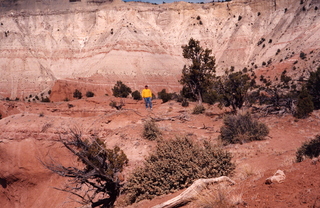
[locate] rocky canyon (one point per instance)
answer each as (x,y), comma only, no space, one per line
(49,48)
(59,45)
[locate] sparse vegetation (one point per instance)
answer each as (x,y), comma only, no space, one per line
(89,94)
(313,86)
(242,129)
(185,103)
(121,90)
(150,130)
(219,197)
(174,165)
(115,105)
(136,95)
(45,100)
(77,94)
(198,109)
(261,41)
(164,96)
(303,55)
(309,149)
(304,105)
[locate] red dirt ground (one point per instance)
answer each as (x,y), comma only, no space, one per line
(35,126)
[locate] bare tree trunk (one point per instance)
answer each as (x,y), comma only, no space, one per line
(190,193)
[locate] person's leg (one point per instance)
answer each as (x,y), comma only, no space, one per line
(146,102)
(150,103)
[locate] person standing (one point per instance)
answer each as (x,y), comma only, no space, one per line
(147,96)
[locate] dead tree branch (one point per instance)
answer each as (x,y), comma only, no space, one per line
(190,193)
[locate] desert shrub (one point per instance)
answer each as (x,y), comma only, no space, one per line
(116,105)
(113,104)
(309,149)
(89,94)
(185,103)
(199,109)
(302,55)
(241,129)
(210,97)
(151,130)
(175,164)
(164,96)
(305,105)
(179,98)
(45,100)
(313,86)
(77,94)
(121,90)
(136,95)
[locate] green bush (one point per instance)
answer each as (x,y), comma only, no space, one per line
(242,129)
(309,149)
(199,109)
(136,95)
(175,164)
(45,100)
(89,94)
(313,86)
(121,90)
(77,94)
(210,97)
(164,96)
(151,130)
(304,105)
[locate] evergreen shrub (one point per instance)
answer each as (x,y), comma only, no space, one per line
(175,164)
(242,129)
(309,149)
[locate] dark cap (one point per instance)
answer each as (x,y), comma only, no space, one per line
(146,86)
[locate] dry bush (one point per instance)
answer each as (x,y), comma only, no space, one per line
(309,149)
(220,197)
(175,164)
(151,130)
(199,109)
(242,129)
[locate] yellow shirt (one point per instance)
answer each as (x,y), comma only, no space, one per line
(146,93)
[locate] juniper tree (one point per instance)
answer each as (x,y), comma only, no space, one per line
(197,77)
(121,90)
(233,89)
(313,86)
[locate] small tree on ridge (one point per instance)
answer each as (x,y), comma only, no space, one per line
(197,78)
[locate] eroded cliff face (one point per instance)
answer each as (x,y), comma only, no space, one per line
(141,43)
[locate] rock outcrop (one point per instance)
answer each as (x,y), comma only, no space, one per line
(141,43)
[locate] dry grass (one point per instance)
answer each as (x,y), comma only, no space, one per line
(220,196)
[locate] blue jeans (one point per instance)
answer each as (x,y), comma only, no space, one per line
(148,102)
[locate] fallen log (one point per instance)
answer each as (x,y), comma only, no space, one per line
(190,193)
